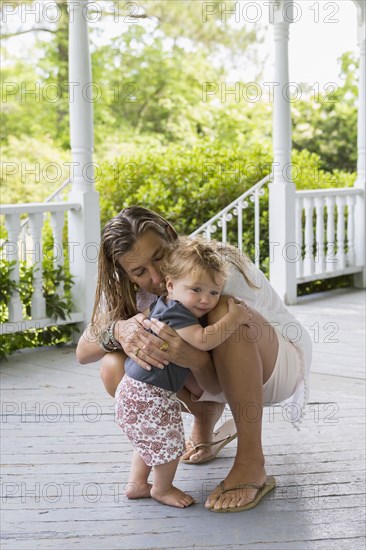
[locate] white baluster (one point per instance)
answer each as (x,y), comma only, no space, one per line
(300,262)
(330,259)
(38,301)
(224,229)
(57,224)
(309,236)
(340,201)
(12,223)
(319,256)
(256,226)
(240,226)
(351,230)
(22,242)
(208,233)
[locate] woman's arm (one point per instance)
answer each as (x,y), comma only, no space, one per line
(183,354)
(132,336)
(89,349)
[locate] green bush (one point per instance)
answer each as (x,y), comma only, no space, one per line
(186,184)
(190,184)
(34,168)
(56,307)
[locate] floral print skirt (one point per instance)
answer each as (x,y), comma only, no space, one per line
(151,418)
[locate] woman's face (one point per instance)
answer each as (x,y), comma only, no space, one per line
(142,263)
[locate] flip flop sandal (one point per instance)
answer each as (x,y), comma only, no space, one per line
(262,490)
(223,436)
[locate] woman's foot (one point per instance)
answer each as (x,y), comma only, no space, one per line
(138,489)
(172,497)
(201,447)
(200,433)
(241,474)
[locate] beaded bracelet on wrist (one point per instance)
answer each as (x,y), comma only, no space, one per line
(107,348)
(112,339)
(107,341)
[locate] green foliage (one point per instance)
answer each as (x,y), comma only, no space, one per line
(159,141)
(23,113)
(32,167)
(326,123)
(7,285)
(53,69)
(326,284)
(307,173)
(188,184)
(26,275)
(148,78)
(184,22)
(56,307)
(158,92)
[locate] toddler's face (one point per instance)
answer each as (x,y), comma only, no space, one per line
(196,291)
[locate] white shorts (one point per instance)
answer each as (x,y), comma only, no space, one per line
(286,376)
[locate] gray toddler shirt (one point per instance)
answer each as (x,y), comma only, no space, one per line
(171,377)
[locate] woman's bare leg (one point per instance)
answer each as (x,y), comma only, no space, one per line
(243,363)
(137,486)
(112,371)
(193,386)
(206,414)
(163,489)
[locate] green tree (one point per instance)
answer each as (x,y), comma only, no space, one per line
(150,88)
(326,124)
(166,56)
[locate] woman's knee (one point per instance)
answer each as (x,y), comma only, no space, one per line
(112,371)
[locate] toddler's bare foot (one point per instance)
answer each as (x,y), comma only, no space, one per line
(172,497)
(138,489)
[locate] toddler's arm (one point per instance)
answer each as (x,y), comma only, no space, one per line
(212,336)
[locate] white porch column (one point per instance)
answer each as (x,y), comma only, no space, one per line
(360,208)
(84,225)
(282,232)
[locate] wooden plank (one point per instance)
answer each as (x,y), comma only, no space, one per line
(64,474)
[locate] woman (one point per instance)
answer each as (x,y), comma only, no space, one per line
(268,362)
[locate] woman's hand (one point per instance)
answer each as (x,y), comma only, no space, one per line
(183,354)
(170,344)
(139,344)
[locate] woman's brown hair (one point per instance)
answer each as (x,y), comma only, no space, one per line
(115,297)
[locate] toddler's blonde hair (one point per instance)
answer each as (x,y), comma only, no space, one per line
(214,258)
(187,256)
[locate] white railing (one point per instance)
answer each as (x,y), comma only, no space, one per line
(325,230)
(23,246)
(231,217)
(24,226)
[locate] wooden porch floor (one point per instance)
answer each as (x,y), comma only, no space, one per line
(65,461)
